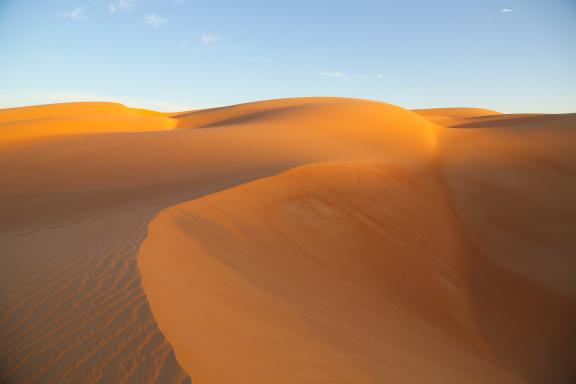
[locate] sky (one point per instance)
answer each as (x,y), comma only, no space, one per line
(509,55)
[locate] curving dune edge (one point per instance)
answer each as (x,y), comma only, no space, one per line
(308,240)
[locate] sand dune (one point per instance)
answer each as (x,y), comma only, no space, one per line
(514,186)
(32,124)
(339,273)
(324,240)
(448,116)
(95,170)
(457,113)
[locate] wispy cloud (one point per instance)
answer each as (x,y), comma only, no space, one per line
(122,5)
(155,21)
(207,39)
(346,76)
(501,13)
(200,43)
(334,75)
(76,14)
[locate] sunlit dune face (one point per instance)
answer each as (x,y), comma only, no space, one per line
(33,123)
(326,128)
(234,144)
(305,240)
(335,273)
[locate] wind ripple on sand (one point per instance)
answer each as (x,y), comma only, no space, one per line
(411,255)
(76,313)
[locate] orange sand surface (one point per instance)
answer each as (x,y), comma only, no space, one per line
(309,240)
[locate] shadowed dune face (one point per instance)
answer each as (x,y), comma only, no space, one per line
(519,119)
(514,187)
(400,249)
(205,117)
(457,113)
(447,116)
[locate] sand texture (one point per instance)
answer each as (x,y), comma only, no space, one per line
(307,240)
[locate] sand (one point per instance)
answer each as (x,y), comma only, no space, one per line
(310,240)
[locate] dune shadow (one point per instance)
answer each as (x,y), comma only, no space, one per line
(507,120)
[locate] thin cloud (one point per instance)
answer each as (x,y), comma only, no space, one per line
(122,5)
(76,14)
(207,39)
(334,75)
(155,21)
(501,13)
(345,76)
(200,43)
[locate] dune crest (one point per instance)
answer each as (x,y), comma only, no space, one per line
(33,123)
(246,262)
(101,183)
(345,273)
(294,240)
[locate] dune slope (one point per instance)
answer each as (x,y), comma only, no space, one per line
(79,188)
(311,238)
(335,273)
(57,176)
(35,123)
(402,248)
(514,186)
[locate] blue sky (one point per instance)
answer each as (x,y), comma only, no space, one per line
(509,55)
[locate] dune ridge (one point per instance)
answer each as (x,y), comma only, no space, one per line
(379,255)
(36,123)
(318,280)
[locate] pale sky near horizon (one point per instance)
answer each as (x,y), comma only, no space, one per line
(508,55)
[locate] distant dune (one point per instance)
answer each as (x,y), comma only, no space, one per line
(308,240)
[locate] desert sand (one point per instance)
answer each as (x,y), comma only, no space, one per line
(306,240)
